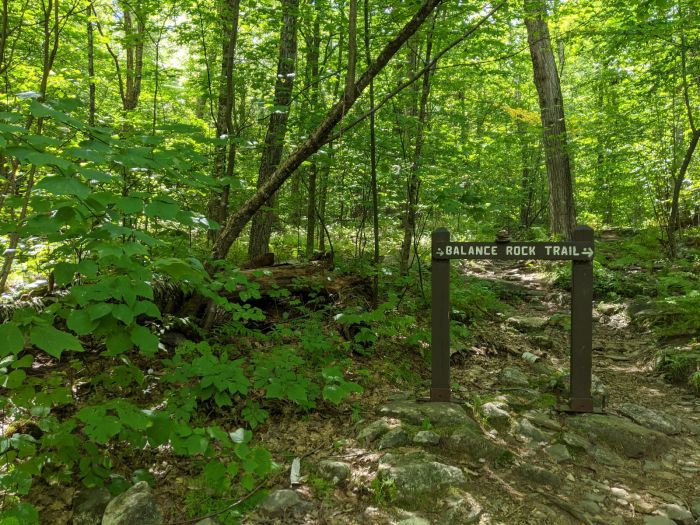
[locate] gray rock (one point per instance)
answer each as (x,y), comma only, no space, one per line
(651,419)
(136,505)
(510,376)
(527,323)
(658,520)
(530,432)
(284,502)
(576,441)
(438,414)
(374,430)
(396,437)
(608,308)
(208,521)
(496,415)
(680,515)
(460,510)
(543,421)
(590,507)
(336,472)
(538,475)
(89,506)
(695,508)
(606,457)
(415,520)
(474,445)
(418,475)
(426,437)
(558,453)
(622,435)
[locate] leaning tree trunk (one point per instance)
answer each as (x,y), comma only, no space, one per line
(314,44)
(546,76)
(261,227)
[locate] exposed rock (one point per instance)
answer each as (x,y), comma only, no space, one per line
(496,415)
(474,445)
(543,342)
(208,521)
(606,457)
(558,453)
(590,507)
(695,508)
(608,308)
(538,475)
(136,505)
(576,441)
(396,437)
(414,520)
(418,475)
(89,505)
(530,432)
(374,430)
(426,437)
(510,376)
(439,414)
(658,520)
(527,323)
(622,435)
(543,421)
(284,502)
(336,472)
(680,515)
(651,419)
(461,510)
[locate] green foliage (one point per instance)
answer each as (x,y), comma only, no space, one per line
(383,490)
(682,365)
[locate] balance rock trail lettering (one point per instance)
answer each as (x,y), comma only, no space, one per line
(579,251)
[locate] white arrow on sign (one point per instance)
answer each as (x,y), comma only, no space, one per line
(439,252)
(588,252)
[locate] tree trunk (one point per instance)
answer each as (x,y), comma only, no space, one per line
(225,153)
(238,220)
(261,228)
(546,77)
(414,176)
(312,63)
(91,64)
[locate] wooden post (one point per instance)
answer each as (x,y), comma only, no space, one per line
(581,328)
(440,388)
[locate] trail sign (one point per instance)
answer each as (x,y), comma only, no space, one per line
(579,251)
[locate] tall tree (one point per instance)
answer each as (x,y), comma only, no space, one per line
(261,227)
(546,77)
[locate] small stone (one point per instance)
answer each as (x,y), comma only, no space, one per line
(576,441)
(530,432)
(619,492)
(336,472)
(695,508)
(591,496)
(426,437)
(510,376)
(527,323)
(651,466)
(591,507)
(283,502)
(415,520)
(461,510)
(542,342)
(418,475)
(607,457)
(680,515)
(89,505)
(543,421)
(558,453)
(438,414)
(373,431)
(658,520)
(474,445)
(538,475)
(396,437)
(208,521)
(496,415)
(136,505)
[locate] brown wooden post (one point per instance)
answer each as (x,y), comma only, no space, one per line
(581,328)
(440,349)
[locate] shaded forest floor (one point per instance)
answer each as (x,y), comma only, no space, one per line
(530,464)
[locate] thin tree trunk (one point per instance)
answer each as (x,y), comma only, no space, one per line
(414,177)
(313,56)
(238,220)
(91,64)
(546,77)
(373,166)
(225,152)
(261,227)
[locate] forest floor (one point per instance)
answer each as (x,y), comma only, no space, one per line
(519,461)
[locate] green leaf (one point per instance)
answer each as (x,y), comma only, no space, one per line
(64,272)
(11,339)
(13,380)
(81,322)
(129,205)
(144,339)
(20,514)
(146,308)
(54,342)
(163,209)
(118,343)
(60,185)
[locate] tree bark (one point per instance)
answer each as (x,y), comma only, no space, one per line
(546,77)
(225,153)
(312,61)
(261,228)
(238,220)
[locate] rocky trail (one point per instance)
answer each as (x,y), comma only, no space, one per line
(504,455)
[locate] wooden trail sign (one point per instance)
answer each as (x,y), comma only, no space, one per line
(579,251)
